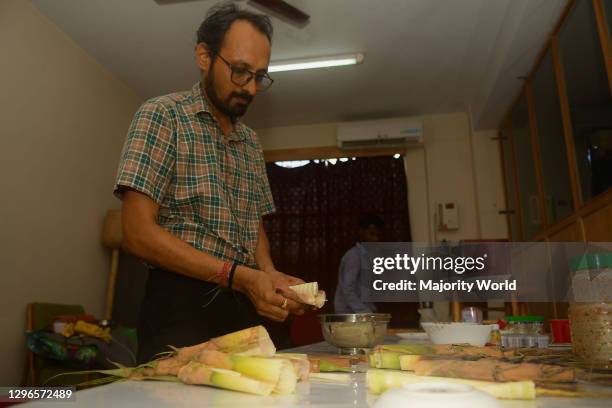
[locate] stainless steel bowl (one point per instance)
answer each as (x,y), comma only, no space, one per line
(353,333)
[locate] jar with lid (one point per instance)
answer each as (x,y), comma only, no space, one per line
(590,313)
(525,324)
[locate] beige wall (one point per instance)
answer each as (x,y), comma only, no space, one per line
(490,186)
(63,119)
(454,165)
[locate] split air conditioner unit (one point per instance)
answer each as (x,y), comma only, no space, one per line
(380,134)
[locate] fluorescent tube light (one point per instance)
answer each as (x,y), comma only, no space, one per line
(310,63)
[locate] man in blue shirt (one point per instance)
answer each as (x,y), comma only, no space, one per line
(349,289)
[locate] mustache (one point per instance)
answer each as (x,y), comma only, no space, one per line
(244,95)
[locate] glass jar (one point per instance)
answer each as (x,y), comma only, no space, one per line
(543,340)
(590,314)
(525,324)
(591,327)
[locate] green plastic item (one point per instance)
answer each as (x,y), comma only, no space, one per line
(42,315)
(601,260)
(525,319)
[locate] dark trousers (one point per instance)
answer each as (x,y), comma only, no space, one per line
(178,311)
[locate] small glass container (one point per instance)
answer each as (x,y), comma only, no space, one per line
(504,339)
(543,340)
(495,337)
(515,340)
(525,324)
(471,315)
(530,340)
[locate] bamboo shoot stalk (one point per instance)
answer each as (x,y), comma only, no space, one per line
(493,370)
(379,381)
(385,359)
(547,392)
(446,350)
(276,371)
(326,363)
(330,367)
(198,373)
(387,356)
(252,341)
(408,362)
(165,366)
(120,373)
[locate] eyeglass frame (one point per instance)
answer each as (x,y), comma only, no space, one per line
(252,75)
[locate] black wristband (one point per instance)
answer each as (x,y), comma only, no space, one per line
(231,275)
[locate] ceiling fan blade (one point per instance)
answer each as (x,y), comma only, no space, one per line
(284,9)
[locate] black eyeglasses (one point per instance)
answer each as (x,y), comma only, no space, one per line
(242,76)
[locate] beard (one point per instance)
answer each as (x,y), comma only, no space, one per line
(225,105)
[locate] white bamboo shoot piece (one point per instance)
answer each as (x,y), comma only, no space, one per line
(320,299)
(307,292)
(310,294)
(301,364)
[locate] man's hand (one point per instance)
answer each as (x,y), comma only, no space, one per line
(269,293)
(282,282)
(283,278)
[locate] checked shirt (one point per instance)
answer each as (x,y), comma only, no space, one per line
(212,190)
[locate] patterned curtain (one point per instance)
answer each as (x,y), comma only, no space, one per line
(318,207)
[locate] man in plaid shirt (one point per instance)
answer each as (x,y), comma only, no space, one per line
(193,185)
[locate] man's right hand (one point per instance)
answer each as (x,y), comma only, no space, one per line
(260,288)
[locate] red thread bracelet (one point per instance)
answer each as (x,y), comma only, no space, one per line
(223,274)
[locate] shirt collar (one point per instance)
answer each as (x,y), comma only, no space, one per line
(201,106)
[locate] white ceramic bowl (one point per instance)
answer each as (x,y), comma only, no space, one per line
(458,333)
(436,395)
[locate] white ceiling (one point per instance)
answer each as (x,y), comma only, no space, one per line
(421,56)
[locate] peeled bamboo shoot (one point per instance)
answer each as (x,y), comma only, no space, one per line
(276,371)
(198,373)
(301,364)
(385,359)
(329,363)
(310,294)
(320,299)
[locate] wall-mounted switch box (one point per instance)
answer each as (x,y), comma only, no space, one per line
(448,216)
